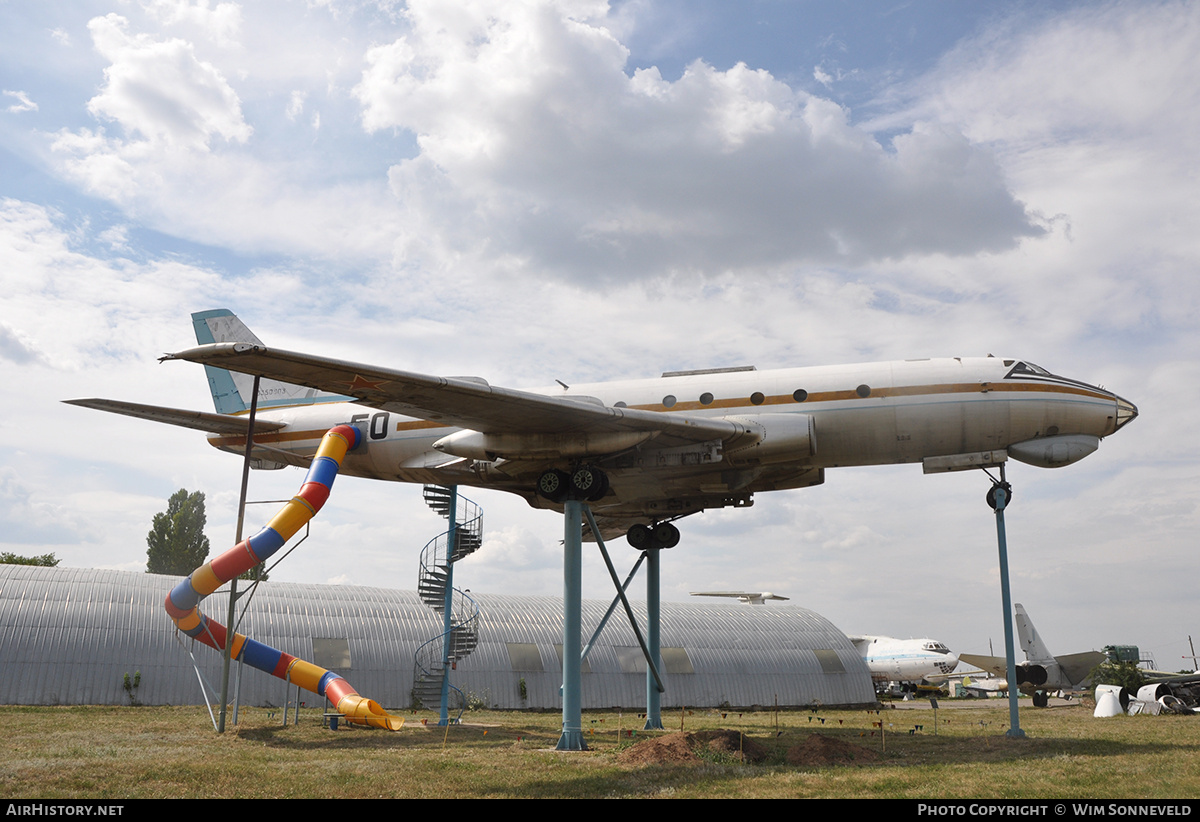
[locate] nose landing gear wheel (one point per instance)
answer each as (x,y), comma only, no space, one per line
(991,494)
(662,535)
(666,535)
(639,536)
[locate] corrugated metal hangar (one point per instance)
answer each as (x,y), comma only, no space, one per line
(70,635)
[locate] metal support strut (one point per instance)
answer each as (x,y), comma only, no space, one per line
(573,490)
(654,686)
(233,595)
(651,642)
(998,497)
(572,730)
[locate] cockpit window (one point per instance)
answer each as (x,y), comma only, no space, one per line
(1029,368)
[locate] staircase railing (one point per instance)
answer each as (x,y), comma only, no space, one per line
(432,661)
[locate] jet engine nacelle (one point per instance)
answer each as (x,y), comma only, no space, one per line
(1153,692)
(1031,675)
(1122,694)
(769,438)
(487,447)
(1054,452)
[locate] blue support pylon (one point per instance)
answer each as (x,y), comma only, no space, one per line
(653,640)
(448,608)
(572,730)
(998,497)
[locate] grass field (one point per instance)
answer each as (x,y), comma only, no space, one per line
(116,753)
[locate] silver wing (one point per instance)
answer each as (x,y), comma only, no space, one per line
(463,402)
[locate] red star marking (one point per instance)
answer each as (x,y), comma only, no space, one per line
(361,384)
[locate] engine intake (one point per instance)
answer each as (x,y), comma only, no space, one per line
(770,438)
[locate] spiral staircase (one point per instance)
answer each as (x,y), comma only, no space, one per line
(434,659)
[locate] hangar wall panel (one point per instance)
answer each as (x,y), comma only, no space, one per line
(69,635)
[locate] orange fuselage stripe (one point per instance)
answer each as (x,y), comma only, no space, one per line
(228,441)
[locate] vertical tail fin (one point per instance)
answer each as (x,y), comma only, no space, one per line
(231,391)
(1035,649)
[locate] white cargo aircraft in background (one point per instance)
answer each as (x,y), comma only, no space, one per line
(744,597)
(904,661)
(642,452)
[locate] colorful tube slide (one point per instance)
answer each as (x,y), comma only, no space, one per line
(184,600)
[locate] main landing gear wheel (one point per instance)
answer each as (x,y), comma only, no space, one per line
(662,535)
(589,483)
(554,485)
(586,483)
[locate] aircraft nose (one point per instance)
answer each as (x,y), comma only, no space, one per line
(1126,412)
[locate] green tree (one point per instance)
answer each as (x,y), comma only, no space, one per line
(177,544)
(258,572)
(46,560)
(1126,674)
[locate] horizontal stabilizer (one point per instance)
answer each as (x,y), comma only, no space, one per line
(997,665)
(1076,667)
(198,420)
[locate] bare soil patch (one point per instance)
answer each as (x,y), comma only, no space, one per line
(684,746)
(820,751)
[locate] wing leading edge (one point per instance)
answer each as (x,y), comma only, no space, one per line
(469,403)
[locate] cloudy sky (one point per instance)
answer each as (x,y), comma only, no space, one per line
(585,191)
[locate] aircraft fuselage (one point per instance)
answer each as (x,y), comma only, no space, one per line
(904,660)
(947,413)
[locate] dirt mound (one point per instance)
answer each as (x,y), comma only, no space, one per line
(825,750)
(683,746)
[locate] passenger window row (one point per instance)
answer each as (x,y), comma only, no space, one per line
(757,398)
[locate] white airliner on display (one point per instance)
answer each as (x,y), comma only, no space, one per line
(904,661)
(643,452)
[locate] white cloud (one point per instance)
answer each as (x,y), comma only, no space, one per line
(295,105)
(15,349)
(537,155)
(68,302)
(23,102)
(1095,73)
(1093,115)
(180,157)
(162,91)
(533,136)
(117,237)
(221,22)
